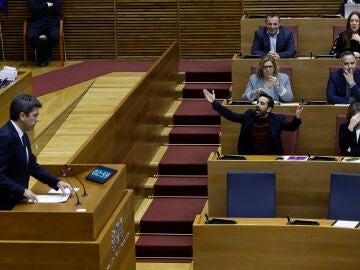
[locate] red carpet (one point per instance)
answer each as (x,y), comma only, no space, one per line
(87,70)
(195,135)
(196,112)
(171,215)
(180,186)
(195,90)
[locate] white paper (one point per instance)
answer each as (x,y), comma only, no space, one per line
(53,198)
(53,191)
(345,224)
(296,158)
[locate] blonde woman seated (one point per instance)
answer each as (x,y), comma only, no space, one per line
(268,80)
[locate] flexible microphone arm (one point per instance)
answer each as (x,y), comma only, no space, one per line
(68,168)
(63,174)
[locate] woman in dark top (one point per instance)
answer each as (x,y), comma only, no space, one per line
(349,132)
(349,40)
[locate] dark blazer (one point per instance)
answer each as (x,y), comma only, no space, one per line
(15,170)
(339,46)
(277,124)
(336,88)
(347,140)
(41,14)
(285,45)
(342,7)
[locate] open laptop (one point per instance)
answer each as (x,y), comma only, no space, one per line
(350,8)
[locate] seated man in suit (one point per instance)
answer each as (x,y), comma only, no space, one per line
(341,10)
(343,85)
(260,128)
(43,28)
(17,162)
(274,39)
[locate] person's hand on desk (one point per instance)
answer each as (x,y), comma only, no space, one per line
(63,186)
(30,195)
(209,96)
(274,54)
(298,112)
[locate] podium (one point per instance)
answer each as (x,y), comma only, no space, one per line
(60,236)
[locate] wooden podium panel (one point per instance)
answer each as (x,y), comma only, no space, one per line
(314,34)
(302,187)
(317,131)
(23,84)
(61,221)
(271,244)
(114,248)
(309,76)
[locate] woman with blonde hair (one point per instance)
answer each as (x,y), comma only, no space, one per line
(268,80)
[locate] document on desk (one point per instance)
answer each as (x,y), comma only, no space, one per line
(345,224)
(51,198)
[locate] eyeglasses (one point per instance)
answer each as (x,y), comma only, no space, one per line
(354,21)
(268,67)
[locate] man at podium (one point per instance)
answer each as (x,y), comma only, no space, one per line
(17,162)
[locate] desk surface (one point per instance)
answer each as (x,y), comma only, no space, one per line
(271,244)
(302,187)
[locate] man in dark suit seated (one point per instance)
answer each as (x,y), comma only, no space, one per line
(273,39)
(260,132)
(343,85)
(17,162)
(43,28)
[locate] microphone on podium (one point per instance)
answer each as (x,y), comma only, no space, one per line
(68,168)
(63,174)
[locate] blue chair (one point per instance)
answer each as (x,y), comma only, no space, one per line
(344,201)
(251,194)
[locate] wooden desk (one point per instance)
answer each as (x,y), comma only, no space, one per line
(309,76)
(23,84)
(317,131)
(54,236)
(271,244)
(302,187)
(314,34)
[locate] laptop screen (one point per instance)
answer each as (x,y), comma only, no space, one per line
(350,8)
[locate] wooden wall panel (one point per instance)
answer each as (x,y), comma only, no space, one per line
(143,29)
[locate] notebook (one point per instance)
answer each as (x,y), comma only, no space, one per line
(350,8)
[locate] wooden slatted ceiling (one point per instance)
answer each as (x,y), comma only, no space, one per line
(145,28)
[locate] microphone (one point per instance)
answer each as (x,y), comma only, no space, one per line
(68,168)
(63,174)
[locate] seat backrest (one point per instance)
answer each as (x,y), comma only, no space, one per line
(289,139)
(294,29)
(337,29)
(283,69)
(344,200)
(340,119)
(251,194)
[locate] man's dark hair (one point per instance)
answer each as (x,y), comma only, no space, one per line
(346,53)
(272,15)
(23,103)
(269,98)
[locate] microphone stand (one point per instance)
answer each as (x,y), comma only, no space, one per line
(63,174)
(68,168)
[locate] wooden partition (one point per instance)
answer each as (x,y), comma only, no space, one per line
(315,35)
(302,187)
(96,235)
(23,84)
(272,244)
(309,76)
(132,134)
(317,130)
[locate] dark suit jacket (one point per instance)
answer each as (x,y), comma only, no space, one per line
(342,7)
(347,140)
(336,88)
(285,45)
(15,170)
(41,14)
(339,46)
(277,124)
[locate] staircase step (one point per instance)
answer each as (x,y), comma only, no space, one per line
(175,246)
(180,186)
(171,215)
(196,112)
(185,160)
(201,76)
(195,135)
(195,90)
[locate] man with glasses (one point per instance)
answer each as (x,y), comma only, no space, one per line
(344,84)
(274,39)
(260,128)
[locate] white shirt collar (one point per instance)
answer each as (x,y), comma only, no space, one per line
(18,130)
